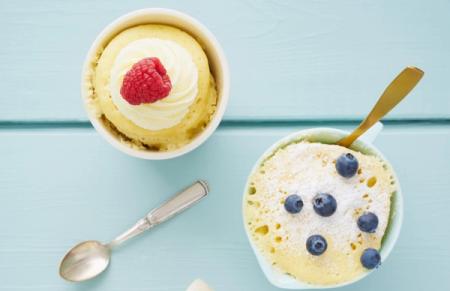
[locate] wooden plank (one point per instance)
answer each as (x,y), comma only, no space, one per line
(59,187)
(289,59)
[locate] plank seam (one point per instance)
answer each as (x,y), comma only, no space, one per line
(15,125)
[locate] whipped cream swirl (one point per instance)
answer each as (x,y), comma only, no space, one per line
(183,74)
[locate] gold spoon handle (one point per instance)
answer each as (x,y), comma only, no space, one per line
(394,93)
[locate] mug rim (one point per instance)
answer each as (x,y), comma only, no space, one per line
(273,275)
(205,36)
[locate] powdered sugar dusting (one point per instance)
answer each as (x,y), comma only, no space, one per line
(307,169)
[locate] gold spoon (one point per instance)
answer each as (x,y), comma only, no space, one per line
(394,93)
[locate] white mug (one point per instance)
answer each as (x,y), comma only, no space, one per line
(329,135)
(217,62)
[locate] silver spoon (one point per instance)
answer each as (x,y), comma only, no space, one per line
(90,258)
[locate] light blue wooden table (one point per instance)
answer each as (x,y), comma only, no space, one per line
(60,183)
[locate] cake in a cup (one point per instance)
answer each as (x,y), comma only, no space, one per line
(152,88)
(319,212)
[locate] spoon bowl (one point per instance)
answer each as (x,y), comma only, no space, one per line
(85,261)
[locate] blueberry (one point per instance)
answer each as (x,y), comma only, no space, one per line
(293,203)
(347,165)
(316,245)
(368,222)
(324,204)
(370,258)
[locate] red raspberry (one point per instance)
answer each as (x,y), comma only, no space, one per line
(146,82)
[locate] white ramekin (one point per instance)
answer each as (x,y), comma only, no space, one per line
(332,135)
(217,62)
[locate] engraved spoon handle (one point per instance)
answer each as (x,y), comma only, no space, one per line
(175,205)
(178,203)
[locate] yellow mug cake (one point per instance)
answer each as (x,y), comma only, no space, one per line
(155,83)
(131,68)
(319,212)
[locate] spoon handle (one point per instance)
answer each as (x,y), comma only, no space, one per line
(392,95)
(175,205)
(178,203)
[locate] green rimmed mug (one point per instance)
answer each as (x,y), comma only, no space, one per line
(363,145)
